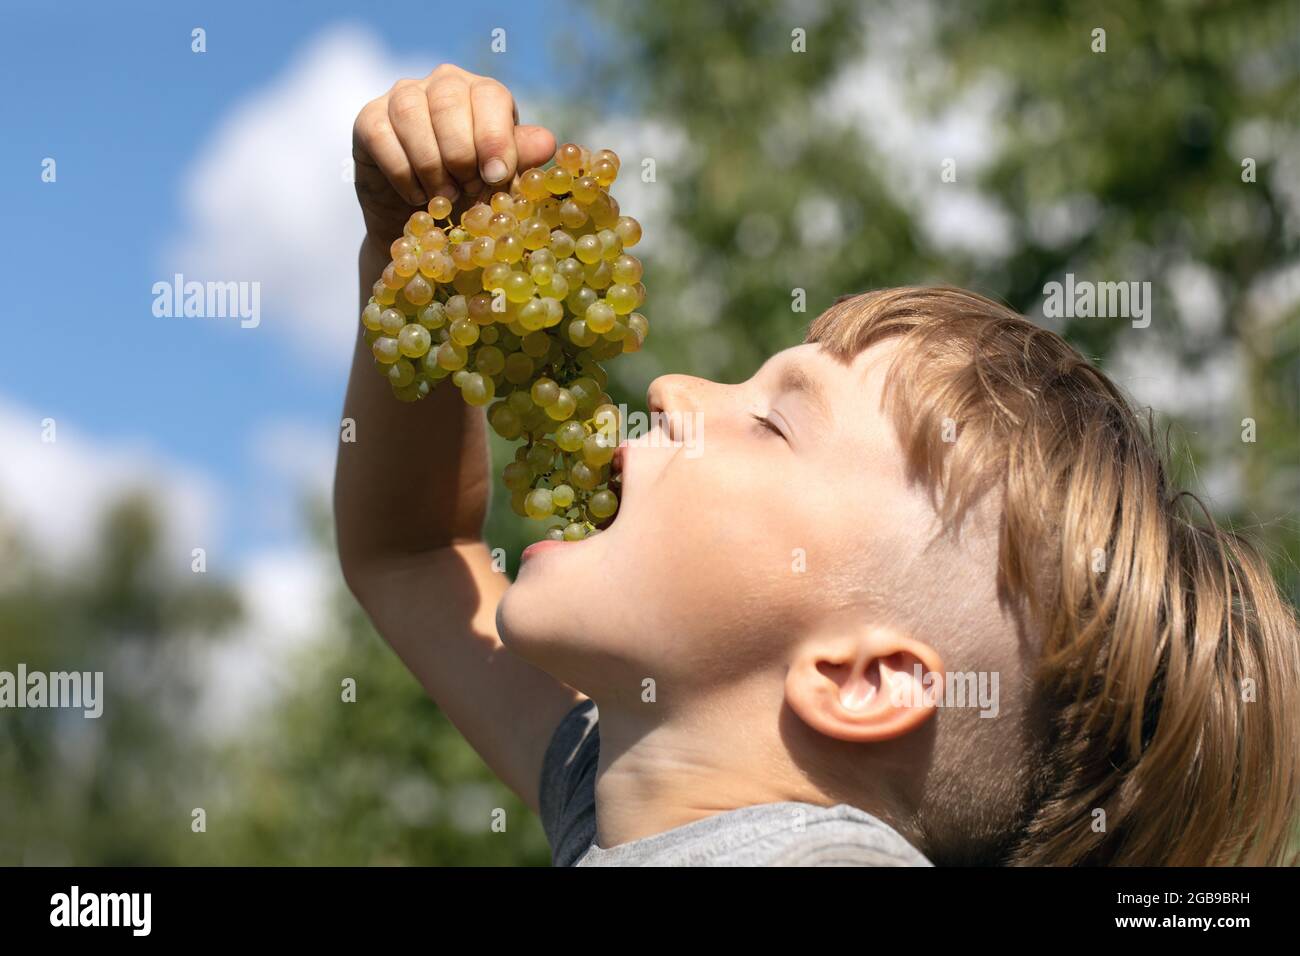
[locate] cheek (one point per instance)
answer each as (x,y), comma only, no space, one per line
(711,549)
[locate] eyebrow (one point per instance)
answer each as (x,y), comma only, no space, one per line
(795,379)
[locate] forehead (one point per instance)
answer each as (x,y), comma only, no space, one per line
(810,368)
(852,389)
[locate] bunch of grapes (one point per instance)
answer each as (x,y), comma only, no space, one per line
(518,305)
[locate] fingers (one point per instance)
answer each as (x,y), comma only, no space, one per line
(450,134)
(375,143)
(453,125)
(408,113)
(535,145)
(494,127)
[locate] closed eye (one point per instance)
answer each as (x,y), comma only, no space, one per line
(769,425)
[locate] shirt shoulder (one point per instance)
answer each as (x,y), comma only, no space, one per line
(567,795)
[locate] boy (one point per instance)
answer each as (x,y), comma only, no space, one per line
(929,494)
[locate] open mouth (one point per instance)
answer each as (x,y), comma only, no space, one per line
(615,485)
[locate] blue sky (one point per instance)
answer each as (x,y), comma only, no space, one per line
(116,96)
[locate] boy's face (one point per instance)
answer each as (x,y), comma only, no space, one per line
(787,513)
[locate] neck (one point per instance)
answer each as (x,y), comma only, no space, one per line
(682,766)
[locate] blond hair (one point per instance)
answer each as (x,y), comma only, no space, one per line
(1168,669)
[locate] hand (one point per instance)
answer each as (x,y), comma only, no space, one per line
(452,134)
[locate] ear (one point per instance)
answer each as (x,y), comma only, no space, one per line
(873,686)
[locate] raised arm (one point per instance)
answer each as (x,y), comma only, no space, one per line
(411,490)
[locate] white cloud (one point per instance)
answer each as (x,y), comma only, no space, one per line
(55,493)
(881,92)
(287,598)
(267,199)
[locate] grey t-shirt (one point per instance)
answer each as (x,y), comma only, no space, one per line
(770,834)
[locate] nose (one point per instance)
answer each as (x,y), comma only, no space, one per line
(675,393)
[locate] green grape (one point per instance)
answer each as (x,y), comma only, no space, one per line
(555,533)
(464,332)
(544,392)
(541,272)
(554,316)
(409,393)
(563,406)
(480,308)
(588,249)
(468,282)
(583,476)
(536,344)
(433,316)
(580,299)
(605,419)
(413,340)
(622,297)
(603,503)
(509,248)
(452,356)
(519,368)
(517,476)
(505,422)
(532,184)
(637,324)
(483,251)
(574,532)
(476,218)
(562,244)
(600,317)
(439,207)
(418,291)
(570,436)
(517,499)
(419,223)
(586,189)
(558,180)
(519,287)
(604,171)
(401,373)
(532,316)
(370,316)
(557,288)
(540,457)
(538,504)
(490,360)
(562,496)
(569,158)
(597,450)
(385,350)
(520,402)
(627,269)
(570,269)
(580,335)
(478,390)
(598,275)
(391,322)
(403,246)
(457,307)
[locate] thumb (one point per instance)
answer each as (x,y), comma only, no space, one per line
(535,145)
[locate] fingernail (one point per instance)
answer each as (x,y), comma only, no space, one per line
(494,170)
(449,192)
(418,198)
